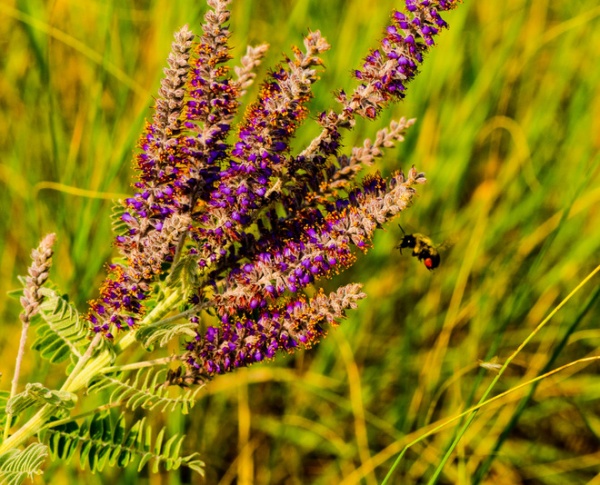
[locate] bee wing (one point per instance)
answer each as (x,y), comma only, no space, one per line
(447,244)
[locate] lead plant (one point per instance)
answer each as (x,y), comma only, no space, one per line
(225,221)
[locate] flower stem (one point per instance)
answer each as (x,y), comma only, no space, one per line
(15,381)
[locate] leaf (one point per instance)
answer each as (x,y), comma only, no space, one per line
(102,441)
(62,332)
(4,396)
(147,391)
(119,226)
(163,332)
(16,293)
(17,465)
(184,275)
(35,394)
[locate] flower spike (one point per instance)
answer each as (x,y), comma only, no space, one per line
(227,219)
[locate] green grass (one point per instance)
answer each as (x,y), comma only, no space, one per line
(509,137)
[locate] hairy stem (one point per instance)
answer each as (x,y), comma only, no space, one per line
(15,380)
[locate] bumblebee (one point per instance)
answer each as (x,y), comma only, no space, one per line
(178,378)
(422,248)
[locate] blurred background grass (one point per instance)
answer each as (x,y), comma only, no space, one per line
(509,135)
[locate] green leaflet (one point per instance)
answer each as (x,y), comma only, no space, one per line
(4,395)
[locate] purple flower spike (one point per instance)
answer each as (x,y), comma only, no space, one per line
(232,226)
(254,340)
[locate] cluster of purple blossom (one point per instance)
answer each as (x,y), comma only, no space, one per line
(260,223)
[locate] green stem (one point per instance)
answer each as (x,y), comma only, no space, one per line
(87,368)
(70,419)
(140,365)
(99,363)
(82,361)
(30,428)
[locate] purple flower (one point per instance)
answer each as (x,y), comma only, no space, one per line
(230,220)
(409,36)
(315,251)
(247,341)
